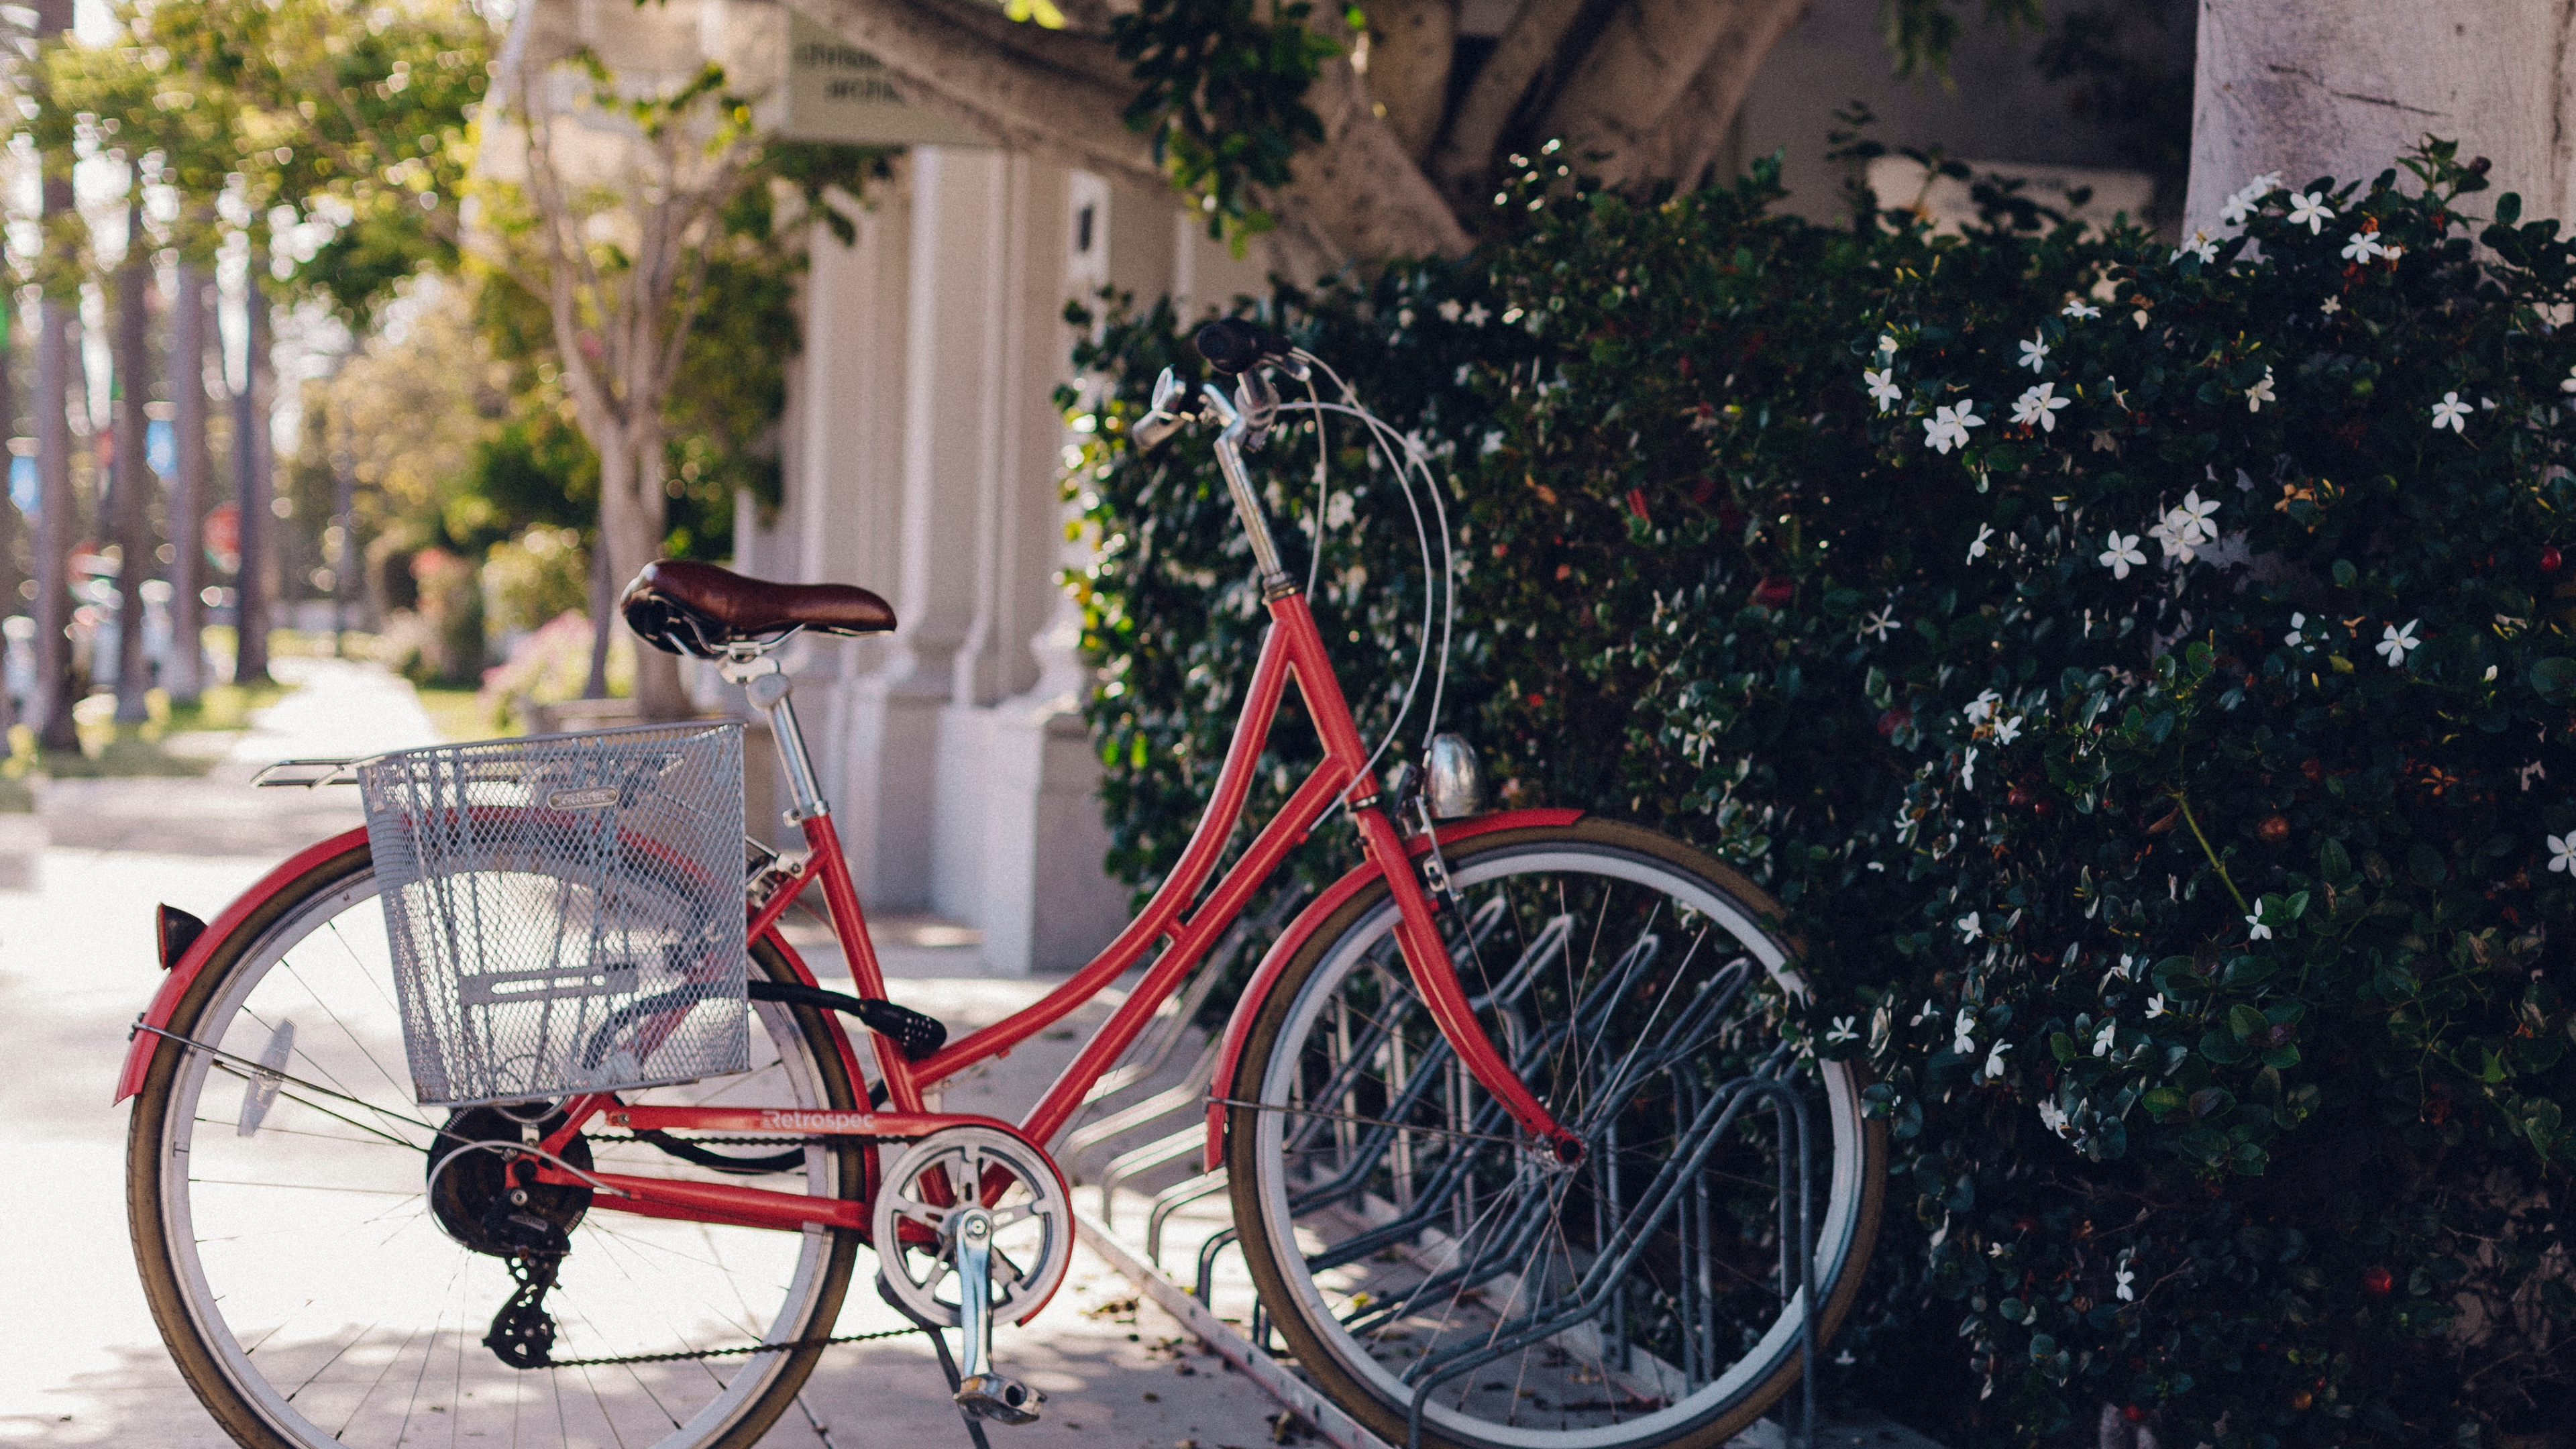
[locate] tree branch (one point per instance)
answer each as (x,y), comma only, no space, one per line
(1359,196)
(1624,91)
(1053,93)
(1464,159)
(1411,45)
(1695,129)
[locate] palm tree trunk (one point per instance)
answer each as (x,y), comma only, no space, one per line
(251,483)
(185,680)
(133,520)
(54,728)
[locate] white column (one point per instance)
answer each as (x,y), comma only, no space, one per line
(954,302)
(1048,903)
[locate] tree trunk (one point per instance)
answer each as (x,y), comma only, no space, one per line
(9,520)
(251,483)
(185,679)
(2343,89)
(133,521)
(631,528)
(54,728)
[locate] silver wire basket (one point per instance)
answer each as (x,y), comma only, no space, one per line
(565,911)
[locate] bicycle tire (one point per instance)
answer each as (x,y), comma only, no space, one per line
(1357,1344)
(334,900)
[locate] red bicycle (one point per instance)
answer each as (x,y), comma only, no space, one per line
(1520,1153)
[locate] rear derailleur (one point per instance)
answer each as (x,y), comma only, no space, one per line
(484,1193)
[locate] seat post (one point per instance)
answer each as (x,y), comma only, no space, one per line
(768,685)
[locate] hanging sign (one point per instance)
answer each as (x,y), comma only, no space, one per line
(839,93)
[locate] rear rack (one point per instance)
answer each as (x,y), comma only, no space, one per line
(310,773)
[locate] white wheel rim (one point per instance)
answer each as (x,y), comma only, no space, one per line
(198,1295)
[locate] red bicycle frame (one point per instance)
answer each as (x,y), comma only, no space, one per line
(1293,646)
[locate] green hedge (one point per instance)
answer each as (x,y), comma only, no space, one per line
(2194,901)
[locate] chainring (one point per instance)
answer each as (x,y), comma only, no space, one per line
(1032,1212)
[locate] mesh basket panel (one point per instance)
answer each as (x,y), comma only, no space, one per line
(565,911)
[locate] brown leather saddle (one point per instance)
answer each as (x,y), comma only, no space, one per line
(681,607)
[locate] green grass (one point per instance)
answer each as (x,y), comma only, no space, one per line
(459,714)
(111,749)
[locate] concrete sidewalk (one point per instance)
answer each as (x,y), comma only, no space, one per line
(84,1364)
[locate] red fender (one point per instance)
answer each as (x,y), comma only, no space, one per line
(183,973)
(1248,1005)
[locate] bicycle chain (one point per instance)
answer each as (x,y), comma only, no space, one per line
(698,1353)
(685,1355)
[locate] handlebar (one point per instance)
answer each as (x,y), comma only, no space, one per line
(1233,346)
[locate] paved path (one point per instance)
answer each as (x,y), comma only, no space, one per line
(80,1362)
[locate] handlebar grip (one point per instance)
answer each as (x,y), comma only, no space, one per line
(1232,345)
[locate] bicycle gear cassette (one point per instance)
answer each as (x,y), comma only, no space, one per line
(1026,1209)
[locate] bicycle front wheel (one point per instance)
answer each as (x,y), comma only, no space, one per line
(1413,1253)
(323,1277)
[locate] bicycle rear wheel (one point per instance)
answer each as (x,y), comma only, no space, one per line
(317,1275)
(1406,1245)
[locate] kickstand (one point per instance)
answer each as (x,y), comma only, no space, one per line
(947,1361)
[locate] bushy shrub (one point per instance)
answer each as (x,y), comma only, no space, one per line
(533,579)
(551,665)
(2139,672)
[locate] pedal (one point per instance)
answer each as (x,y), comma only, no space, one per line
(998,1400)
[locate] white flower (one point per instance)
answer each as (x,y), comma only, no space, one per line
(2256,930)
(1340,512)
(2109,1036)
(2199,246)
(2451,413)
(2310,211)
(1995,1060)
(2080,308)
(2126,962)
(2330,306)
(2155,1006)
(2362,246)
(2568,383)
(1842,1030)
(2395,643)
(2034,354)
(2039,405)
(2127,1291)
(1969,927)
(2174,533)
(2123,552)
(2236,209)
(2392,252)
(2263,185)
(1878,625)
(1449,310)
(1968,770)
(1882,386)
(1962,1039)
(2008,731)
(1404,317)
(1982,708)
(1476,314)
(2191,518)
(2053,1117)
(2261,393)
(1977,546)
(2295,639)
(1887,344)
(2562,852)
(1947,428)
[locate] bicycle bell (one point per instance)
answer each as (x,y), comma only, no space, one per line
(1457,781)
